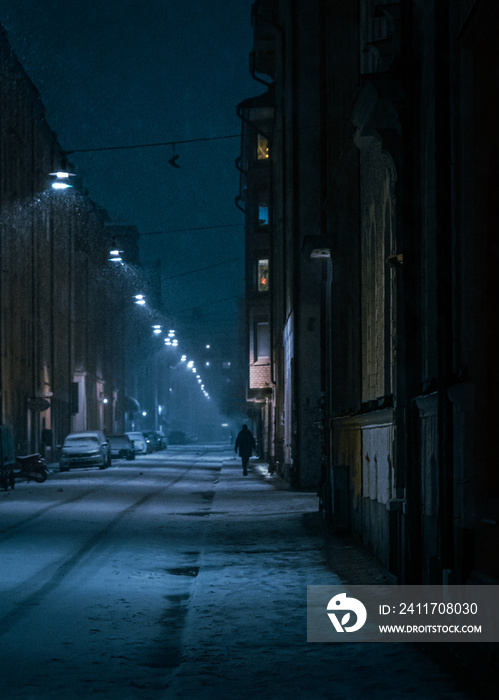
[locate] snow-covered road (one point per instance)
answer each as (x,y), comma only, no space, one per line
(176,577)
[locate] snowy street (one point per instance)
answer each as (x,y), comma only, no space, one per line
(176,577)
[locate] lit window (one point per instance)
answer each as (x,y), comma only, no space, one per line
(263,275)
(263,215)
(262,147)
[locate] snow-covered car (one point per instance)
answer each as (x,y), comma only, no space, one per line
(86,449)
(139,442)
(121,447)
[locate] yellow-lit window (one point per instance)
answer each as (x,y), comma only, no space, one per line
(263,275)
(262,147)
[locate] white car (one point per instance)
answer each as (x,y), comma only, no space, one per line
(86,449)
(139,442)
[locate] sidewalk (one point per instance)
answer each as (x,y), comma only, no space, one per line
(245,631)
(353,564)
(348,559)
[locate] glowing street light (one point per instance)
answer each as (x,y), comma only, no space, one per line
(62,180)
(139,299)
(115,256)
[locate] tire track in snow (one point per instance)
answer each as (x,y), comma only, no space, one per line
(57,572)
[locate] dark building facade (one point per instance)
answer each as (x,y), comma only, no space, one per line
(255,178)
(382,259)
(60,304)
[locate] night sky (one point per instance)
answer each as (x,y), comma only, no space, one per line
(128,72)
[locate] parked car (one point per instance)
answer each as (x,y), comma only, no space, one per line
(155,439)
(178,437)
(121,447)
(163,442)
(139,442)
(86,449)
(151,440)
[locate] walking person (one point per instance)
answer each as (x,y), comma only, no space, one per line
(245,442)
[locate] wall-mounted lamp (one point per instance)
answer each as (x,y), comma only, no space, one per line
(316,247)
(395,260)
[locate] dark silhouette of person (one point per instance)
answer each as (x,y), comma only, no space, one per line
(245,442)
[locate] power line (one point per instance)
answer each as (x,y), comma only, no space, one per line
(169,143)
(185,230)
(200,269)
(210,303)
(152,145)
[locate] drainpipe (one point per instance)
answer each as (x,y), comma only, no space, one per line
(295,188)
(444,246)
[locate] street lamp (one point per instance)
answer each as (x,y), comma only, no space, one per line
(115,256)
(62,180)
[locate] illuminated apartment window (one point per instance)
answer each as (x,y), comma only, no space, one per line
(262,148)
(263,215)
(263,275)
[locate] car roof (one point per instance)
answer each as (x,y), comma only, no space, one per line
(84,433)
